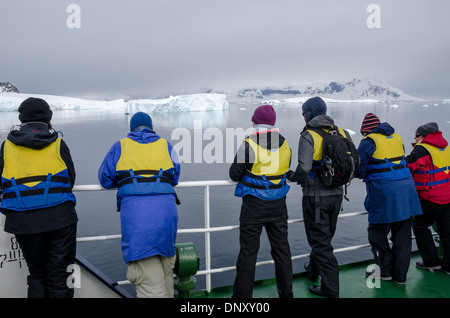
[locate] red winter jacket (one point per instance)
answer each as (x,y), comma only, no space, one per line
(420,160)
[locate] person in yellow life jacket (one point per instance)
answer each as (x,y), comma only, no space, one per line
(260,168)
(320,227)
(145,168)
(37,176)
(391,200)
(429,163)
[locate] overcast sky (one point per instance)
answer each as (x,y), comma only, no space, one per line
(148,47)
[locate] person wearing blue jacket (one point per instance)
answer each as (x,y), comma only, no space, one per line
(145,168)
(391,199)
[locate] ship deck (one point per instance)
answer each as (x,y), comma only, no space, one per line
(354,284)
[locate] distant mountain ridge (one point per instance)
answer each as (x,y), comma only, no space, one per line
(355,89)
(7,87)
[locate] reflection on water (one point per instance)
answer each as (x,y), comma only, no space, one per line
(90,134)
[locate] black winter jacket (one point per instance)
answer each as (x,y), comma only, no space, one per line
(36,135)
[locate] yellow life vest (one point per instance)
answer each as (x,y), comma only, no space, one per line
(388,160)
(144,169)
(136,156)
(388,147)
(267,177)
(34,178)
(439,175)
(269,162)
(21,162)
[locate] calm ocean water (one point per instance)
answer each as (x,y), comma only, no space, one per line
(90,134)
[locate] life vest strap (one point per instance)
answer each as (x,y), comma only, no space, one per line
(386,169)
(26,193)
(255,176)
(141,172)
(431,183)
(9,184)
(381,161)
(262,187)
(431,171)
(144,179)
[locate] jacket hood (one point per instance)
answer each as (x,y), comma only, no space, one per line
(143,136)
(384,129)
(321,121)
(268,138)
(34,135)
(435,139)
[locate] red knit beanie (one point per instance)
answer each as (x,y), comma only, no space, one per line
(264,114)
(370,122)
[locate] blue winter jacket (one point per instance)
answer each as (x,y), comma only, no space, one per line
(148,222)
(387,201)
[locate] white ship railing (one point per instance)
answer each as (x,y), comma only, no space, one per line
(207,230)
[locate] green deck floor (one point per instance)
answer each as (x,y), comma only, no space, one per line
(353,284)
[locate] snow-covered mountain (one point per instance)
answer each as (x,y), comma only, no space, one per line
(370,90)
(7,87)
(355,89)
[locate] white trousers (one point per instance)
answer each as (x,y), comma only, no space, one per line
(153,276)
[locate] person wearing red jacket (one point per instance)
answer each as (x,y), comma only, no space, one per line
(429,163)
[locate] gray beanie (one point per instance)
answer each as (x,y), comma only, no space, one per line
(428,128)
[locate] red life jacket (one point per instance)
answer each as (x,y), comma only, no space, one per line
(436,176)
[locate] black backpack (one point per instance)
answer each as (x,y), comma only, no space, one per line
(340,159)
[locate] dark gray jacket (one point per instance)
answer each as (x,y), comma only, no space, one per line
(305,160)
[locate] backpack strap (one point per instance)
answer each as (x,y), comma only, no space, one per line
(321,131)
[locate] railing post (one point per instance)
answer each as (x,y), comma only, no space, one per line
(207,240)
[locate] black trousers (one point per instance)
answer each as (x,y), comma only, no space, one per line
(439,213)
(276,226)
(393,262)
(48,256)
(320,235)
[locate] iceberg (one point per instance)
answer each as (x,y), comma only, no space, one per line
(180,103)
(10,102)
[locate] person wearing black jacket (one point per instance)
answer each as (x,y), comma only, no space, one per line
(37,176)
(260,167)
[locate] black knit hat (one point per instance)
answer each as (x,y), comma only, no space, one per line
(35,109)
(428,128)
